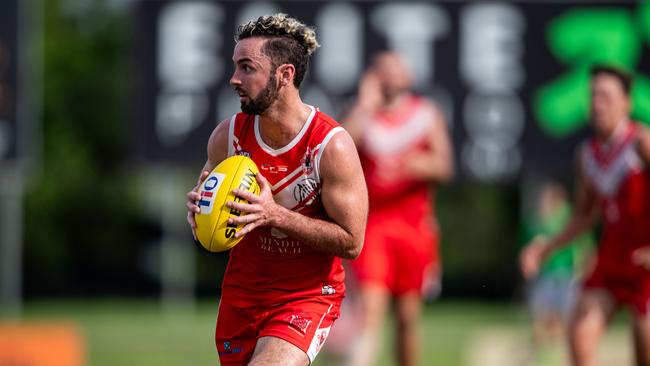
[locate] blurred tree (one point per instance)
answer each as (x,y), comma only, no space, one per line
(479,225)
(82,222)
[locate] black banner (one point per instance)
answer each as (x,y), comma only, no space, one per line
(8,79)
(512,78)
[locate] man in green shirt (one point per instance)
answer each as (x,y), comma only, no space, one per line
(551,294)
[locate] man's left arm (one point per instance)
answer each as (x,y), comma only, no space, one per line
(344,195)
(437,163)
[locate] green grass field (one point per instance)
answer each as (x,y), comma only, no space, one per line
(142,333)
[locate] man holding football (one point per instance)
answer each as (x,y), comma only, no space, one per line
(284,283)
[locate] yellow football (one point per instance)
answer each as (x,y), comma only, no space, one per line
(212,228)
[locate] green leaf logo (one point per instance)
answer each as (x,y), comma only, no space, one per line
(579,38)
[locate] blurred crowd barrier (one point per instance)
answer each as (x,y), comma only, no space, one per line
(41,344)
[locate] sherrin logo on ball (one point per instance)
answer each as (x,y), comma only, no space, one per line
(212,228)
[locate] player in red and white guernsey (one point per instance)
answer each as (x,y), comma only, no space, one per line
(284,283)
(405,151)
(613,186)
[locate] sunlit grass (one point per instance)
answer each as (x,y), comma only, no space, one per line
(128,332)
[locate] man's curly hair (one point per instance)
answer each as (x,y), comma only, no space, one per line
(289,41)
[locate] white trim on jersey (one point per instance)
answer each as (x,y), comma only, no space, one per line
(287,178)
(608,177)
(231,136)
(321,148)
(388,140)
(275,152)
(316,341)
(284,191)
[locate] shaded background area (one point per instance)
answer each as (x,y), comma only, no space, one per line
(106,107)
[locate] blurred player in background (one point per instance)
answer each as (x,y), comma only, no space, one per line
(613,185)
(553,291)
(284,283)
(405,151)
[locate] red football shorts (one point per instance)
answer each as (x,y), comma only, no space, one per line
(398,252)
(304,323)
(627,287)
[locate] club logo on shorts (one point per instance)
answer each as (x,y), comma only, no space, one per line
(209,190)
(300,322)
(321,339)
(317,342)
(228,349)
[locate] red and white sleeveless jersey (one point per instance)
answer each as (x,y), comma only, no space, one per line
(389,139)
(268,267)
(622,181)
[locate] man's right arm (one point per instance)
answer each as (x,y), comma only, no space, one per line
(217,151)
(368,101)
(585,214)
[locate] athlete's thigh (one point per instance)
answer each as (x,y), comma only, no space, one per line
(594,305)
(275,351)
(304,323)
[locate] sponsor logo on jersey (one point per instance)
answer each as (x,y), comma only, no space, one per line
(209,190)
(285,246)
(304,190)
(272,169)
